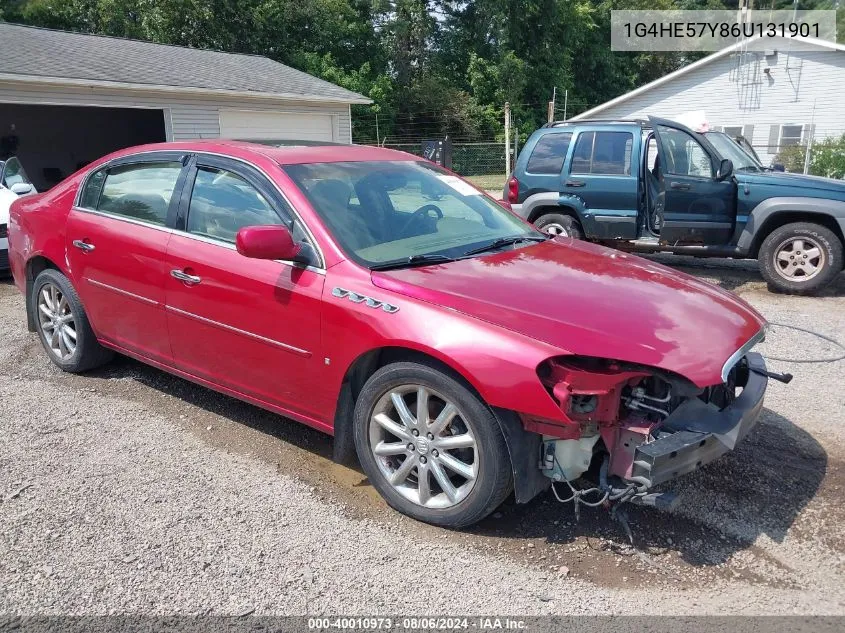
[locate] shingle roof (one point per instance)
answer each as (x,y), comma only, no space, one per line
(34,52)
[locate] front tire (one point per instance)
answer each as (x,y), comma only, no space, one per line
(800,258)
(558,224)
(63,326)
(430,446)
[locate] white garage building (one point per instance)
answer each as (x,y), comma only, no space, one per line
(68,98)
(773,93)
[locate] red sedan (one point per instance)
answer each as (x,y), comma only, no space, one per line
(374,296)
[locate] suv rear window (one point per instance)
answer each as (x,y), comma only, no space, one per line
(607,153)
(549,154)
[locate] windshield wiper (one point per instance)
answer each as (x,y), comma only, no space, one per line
(413,260)
(505,241)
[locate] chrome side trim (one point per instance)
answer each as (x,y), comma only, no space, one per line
(120,291)
(742,351)
(370,302)
(123,218)
(288,348)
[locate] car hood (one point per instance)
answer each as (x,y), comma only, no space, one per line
(797,181)
(592,301)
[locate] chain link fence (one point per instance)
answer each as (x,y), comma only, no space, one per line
(480,163)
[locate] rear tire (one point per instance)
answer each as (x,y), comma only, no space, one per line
(464,462)
(800,258)
(63,326)
(558,224)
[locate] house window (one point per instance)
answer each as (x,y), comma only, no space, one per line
(790,135)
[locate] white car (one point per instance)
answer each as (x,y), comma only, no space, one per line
(13,183)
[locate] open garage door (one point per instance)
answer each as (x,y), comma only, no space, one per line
(53,142)
(245,125)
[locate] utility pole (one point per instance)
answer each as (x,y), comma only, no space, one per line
(378,140)
(808,151)
(552,105)
(565,102)
(507,138)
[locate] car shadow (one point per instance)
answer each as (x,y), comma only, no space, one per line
(732,274)
(758,489)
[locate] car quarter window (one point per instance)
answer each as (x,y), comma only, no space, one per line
(549,153)
(684,155)
(603,153)
(141,191)
(223,202)
(90,195)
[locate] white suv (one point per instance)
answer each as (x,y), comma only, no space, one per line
(13,183)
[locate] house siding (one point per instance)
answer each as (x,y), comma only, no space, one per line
(186,117)
(800,88)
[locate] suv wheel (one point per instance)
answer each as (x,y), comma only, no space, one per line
(430,446)
(800,257)
(63,325)
(555,224)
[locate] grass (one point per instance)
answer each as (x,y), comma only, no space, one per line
(493,182)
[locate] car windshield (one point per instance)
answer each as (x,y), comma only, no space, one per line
(728,148)
(388,212)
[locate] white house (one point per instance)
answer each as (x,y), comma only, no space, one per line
(69,98)
(766,91)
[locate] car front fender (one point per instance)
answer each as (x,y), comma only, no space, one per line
(771,207)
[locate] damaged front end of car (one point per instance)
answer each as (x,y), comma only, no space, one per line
(635,427)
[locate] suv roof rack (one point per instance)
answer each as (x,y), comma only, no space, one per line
(641,122)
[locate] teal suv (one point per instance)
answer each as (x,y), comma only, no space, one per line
(657,186)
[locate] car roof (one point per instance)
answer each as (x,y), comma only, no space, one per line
(283,155)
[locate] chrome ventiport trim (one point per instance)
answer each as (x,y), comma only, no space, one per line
(370,302)
(742,351)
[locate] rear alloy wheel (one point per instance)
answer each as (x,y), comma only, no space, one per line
(430,447)
(63,325)
(559,225)
(800,257)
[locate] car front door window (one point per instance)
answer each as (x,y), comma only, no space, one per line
(684,156)
(223,202)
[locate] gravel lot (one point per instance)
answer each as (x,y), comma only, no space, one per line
(129,491)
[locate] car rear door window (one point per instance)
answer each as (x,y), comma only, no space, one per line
(140,191)
(549,154)
(603,153)
(222,203)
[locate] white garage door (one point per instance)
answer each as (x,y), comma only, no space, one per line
(245,125)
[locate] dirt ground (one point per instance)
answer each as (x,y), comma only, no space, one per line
(129,490)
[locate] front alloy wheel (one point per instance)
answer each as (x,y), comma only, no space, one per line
(429,445)
(799,259)
(423,446)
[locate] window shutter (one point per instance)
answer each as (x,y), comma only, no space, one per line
(716,128)
(809,132)
(774,134)
(748,133)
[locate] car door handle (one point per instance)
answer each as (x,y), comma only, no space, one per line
(83,246)
(183,276)
(575,183)
(680,185)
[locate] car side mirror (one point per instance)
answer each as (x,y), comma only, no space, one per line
(778,167)
(726,168)
(21,188)
(267,242)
